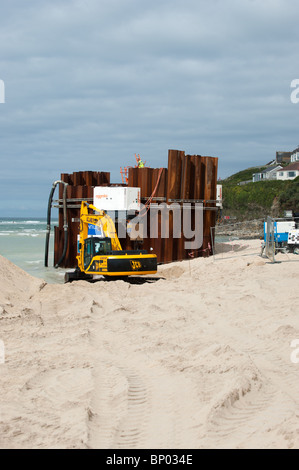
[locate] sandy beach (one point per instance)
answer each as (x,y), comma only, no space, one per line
(200,358)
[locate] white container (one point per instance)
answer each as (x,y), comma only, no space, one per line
(285,226)
(116,198)
(281,227)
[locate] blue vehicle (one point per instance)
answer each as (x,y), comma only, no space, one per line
(286,235)
(281,231)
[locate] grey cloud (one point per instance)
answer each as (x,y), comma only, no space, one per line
(89,83)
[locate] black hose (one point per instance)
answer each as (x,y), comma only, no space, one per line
(65,226)
(49,225)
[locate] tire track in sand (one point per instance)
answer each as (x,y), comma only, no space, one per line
(131,431)
(141,408)
(245,415)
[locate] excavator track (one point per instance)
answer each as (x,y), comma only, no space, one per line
(76,275)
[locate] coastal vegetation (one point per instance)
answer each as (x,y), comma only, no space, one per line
(258,200)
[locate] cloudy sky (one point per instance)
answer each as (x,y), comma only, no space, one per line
(89,83)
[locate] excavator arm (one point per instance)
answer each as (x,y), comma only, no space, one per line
(100,220)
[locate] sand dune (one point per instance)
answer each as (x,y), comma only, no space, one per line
(197,359)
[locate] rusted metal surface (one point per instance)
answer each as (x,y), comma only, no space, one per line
(146,182)
(161,183)
(80,186)
(192,163)
(210,182)
(133,177)
(158,244)
(185,178)
(188,179)
(175,158)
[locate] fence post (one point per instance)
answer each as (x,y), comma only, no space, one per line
(270,240)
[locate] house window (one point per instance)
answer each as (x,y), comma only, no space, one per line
(281,173)
(291,174)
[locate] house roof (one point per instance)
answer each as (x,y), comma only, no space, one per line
(271,168)
(292,167)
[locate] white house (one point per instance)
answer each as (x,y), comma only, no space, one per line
(288,172)
(295,157)
(268,174)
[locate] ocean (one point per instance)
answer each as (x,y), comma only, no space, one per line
(22,241)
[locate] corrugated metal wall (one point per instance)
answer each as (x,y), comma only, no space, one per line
(189,179)
(80,186)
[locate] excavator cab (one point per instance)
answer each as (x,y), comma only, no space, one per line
(102,246)
(95,246)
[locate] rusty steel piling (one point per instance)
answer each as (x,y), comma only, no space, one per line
(188,180)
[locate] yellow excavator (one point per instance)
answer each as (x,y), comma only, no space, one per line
(103,255)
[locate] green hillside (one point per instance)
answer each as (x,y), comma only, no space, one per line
(243,175)
(258,200)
